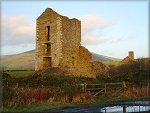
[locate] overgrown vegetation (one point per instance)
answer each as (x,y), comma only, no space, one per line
(136,73)
(19,73)
(38,80)
(19,91)
(41,88)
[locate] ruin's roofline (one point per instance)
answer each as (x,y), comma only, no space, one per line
(51,10)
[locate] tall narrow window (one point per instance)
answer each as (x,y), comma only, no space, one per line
(73,61)
(48,33)
(48,49)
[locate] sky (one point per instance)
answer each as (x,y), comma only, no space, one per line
(109,28)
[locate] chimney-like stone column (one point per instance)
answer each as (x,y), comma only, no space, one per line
(131,54)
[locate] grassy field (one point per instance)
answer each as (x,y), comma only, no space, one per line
(35,107)
(43,106)
(20,73)
(111,62)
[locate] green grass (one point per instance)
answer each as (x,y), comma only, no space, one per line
(102,100)
(40,107)
(20,73)
(111,62)
(32,108)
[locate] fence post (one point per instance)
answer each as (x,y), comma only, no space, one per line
(84,87)
(105,110)
(124,86)
(148,88)
(105,88)
(124,109)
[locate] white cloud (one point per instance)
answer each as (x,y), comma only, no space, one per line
(93,39)
(92,27)
(93,22)
(16,30)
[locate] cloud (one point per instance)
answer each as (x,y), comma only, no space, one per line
(93,39)
(90,22)
(16,30)
(92,29)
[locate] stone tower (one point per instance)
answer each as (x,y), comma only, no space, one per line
(58,46)
(57,40)
(131,54)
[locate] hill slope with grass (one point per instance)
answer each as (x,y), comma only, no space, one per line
(20,61)
(97,57)
(26,60)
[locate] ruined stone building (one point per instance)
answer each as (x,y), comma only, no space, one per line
(128,59)
(141,62)
(58,46)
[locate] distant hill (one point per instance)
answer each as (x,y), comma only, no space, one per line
(97,57)
(26,60)
(20,61)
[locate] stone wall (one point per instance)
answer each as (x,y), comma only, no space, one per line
(131,54)
(84,63)
(98,68)
(71,29)
(53,20)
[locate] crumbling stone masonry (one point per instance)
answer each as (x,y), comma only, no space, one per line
(131,54)
(128,59)
(58,45)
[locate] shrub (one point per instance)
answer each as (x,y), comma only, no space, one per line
(26,96)
(134,92)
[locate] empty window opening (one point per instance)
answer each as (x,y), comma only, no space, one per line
(48,49)
(47,62)
(48,33)
(73,61)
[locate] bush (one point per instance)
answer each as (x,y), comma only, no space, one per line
(131,72)
(26,96)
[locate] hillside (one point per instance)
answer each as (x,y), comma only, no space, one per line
(97,57)
(26,60)
(20,61)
